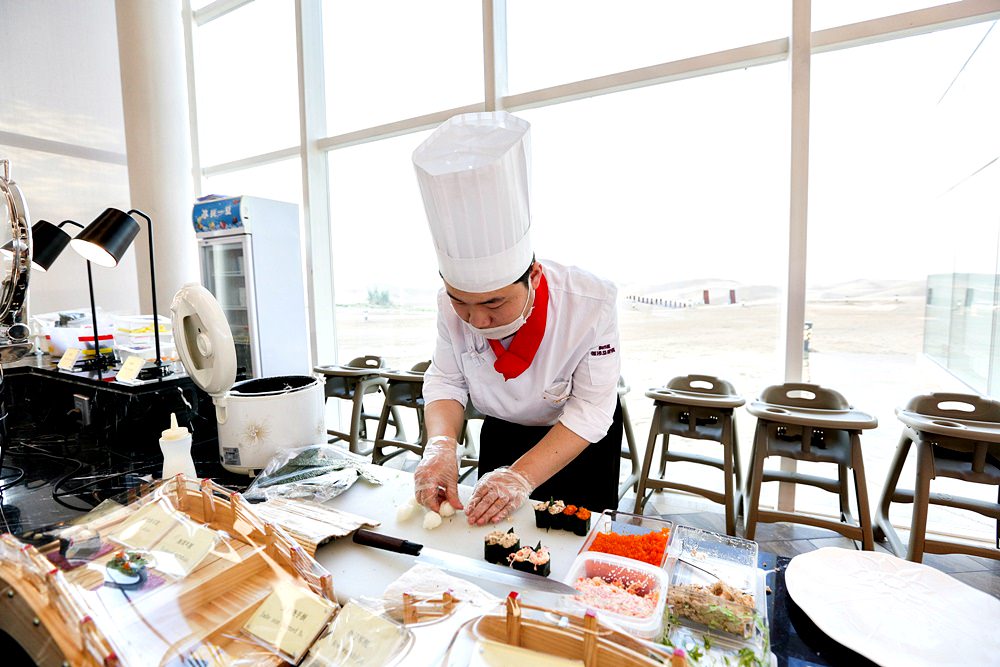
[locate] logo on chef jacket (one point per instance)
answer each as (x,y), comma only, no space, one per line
(602,351)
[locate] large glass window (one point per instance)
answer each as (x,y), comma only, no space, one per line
(246,82)
(898,130)
(60,78)
(392,59)
(386,277)
(278,180)
(559,41)
(671,192)
(58,188)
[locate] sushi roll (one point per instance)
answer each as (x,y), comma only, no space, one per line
(519,559)
(556,508)
(541,561)
(581,521)
(499,545)
(542,515)
(569,517)
(533,561)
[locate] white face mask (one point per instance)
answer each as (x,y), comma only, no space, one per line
(509,329)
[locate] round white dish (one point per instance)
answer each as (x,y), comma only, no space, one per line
(895,612)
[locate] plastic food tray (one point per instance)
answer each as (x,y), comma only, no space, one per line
(611,568)
(703,557)
(624,523)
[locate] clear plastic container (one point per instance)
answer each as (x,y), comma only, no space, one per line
(716,586)
(623,523)
(643,579)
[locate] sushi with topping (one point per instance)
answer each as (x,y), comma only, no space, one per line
(581,521)
(533,561)
(542,515)
(556,508)
(499,545)
(568,517)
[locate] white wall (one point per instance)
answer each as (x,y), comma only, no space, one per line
(61,128)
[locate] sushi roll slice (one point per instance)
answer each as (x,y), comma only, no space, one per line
(581,522)
(541,561)
(519,559)
(542,515)
(569,517)
(498,545)
(556,508)
(533,561)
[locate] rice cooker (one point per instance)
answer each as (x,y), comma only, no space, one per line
(257,418)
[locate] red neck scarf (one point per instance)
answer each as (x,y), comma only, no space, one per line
(515,359)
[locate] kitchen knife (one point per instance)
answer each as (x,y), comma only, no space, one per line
(463,565)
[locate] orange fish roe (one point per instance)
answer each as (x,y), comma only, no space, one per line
(648,548)
(570,510)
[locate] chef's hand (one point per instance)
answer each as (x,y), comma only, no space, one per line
(436,477)
(497,494)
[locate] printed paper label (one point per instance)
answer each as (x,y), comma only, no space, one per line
(69,358)
(186,545)
(130,369)
(145,527)
(358,638)
(289,619)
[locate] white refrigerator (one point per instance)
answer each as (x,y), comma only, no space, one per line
(250,255)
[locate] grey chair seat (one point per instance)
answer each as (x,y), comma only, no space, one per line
(699,407)
(806,422)
(955,436)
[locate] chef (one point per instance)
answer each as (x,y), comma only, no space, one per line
(532,343)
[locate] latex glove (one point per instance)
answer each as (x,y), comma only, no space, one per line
(436,476)
(497,495)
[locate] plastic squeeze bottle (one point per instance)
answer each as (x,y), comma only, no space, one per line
(175,443)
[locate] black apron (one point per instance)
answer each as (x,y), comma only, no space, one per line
(590,480)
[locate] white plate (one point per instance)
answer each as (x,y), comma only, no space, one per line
(895,612)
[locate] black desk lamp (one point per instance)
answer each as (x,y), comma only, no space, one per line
(104,242)
(49,242)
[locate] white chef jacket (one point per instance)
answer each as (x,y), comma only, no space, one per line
(573,378)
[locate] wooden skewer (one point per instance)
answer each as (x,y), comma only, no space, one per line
(513,620)
(590,639)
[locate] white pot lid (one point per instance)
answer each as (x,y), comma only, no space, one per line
(203,339)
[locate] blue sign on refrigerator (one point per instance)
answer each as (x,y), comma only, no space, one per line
(214,213)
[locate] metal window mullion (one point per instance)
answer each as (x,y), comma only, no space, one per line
(258,160)
(217,10)
(908,24)
(315,182)
(81,152)
(794,311)
(188,21)
(494,53)
(710,63)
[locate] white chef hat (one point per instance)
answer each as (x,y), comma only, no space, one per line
(473,173)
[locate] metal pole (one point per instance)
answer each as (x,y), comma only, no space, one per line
(152,281)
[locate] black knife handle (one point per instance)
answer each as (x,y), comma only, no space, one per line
(380,541)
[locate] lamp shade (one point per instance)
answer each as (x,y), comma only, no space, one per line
(105,240)
(47,242)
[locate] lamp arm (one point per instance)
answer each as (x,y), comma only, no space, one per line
(93,306)
(152,281)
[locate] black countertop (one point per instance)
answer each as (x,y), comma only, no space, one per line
(56,467)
